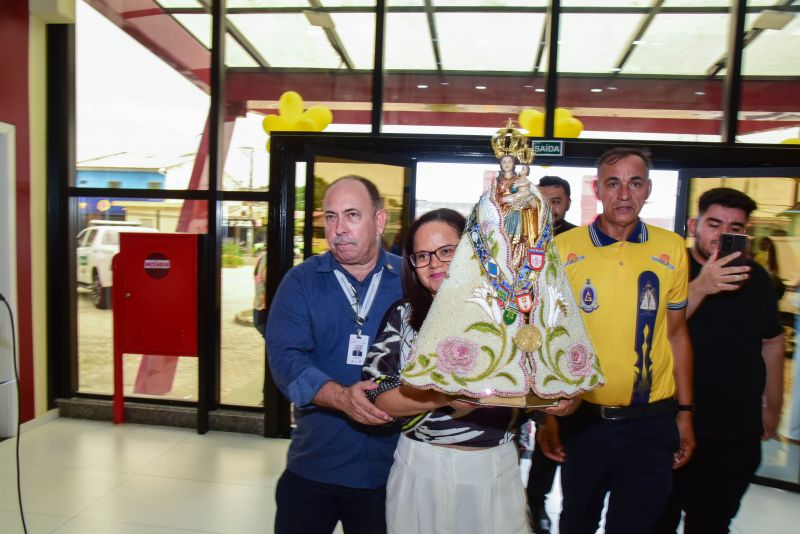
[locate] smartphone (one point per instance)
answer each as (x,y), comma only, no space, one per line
(730,243)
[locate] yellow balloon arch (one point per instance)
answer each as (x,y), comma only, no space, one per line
(565,124)
(292,118)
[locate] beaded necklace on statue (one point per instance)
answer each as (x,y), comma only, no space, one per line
(518,296)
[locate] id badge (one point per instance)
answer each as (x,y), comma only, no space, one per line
(357,349)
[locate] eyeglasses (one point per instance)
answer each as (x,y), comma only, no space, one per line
(423,257)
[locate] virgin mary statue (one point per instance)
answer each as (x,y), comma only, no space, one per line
(504,327)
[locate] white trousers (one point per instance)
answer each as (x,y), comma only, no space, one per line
(439,490)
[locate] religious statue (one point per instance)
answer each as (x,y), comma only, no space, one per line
(504,327)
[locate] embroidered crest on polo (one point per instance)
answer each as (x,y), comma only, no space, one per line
(504,321)
(589,297)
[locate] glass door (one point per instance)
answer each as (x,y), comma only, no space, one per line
(774,230)
(393,178)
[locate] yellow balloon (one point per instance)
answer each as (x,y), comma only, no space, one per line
(562,113)
(533,121)
(320,115)
(791,141)
(276,123)
(305,124)
(290,105)
(569,127)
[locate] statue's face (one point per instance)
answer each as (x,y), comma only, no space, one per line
(507,163)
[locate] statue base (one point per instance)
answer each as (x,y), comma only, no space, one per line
(528,401)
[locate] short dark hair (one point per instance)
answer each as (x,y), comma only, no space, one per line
(613,155)
(372,190)
(421,299)
(728,198)
(555,181)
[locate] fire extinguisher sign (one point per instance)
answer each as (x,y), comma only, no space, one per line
(157,265)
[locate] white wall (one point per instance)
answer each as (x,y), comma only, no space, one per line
(8,278)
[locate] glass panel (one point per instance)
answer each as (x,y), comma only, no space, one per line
(330,56)
(642,89)
(680,44)
(299,210)
(247,161)
(774,229)
(459,185)
(390,181)
(140,118)
(478,84)
(288,40)
(244,229)
(770,110)
(100,220)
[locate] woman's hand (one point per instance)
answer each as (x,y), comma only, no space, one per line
(564,407)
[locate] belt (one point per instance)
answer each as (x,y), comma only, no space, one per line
(640,411)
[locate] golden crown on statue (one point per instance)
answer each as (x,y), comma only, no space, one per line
(509,141)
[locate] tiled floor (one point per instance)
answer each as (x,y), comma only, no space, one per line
(88,477)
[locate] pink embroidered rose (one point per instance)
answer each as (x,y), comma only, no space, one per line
(579,360)
(457,355)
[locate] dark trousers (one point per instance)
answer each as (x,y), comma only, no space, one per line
(540,478)
(309,507)
(711,486)
(631,459)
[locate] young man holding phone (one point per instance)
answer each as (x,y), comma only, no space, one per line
(738,348)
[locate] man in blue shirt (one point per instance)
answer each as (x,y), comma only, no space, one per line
(325,314)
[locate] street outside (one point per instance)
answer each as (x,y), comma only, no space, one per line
(242,358)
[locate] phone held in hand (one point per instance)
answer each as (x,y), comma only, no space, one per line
(730,243)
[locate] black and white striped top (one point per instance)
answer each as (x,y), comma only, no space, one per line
(482,427)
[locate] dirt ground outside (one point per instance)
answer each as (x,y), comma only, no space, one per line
(243,353)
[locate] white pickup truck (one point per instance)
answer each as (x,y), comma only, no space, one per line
(97,244)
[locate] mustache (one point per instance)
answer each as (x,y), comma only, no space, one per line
(344,240)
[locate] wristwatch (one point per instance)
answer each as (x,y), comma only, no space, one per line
(686,408)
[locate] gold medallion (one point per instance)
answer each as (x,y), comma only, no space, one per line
(528,338)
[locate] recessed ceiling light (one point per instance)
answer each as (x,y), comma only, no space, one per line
(480,87)
(528,86)
(422,86)
(540,90)
(611,88)
(444,83)
(700,93)
(596,90)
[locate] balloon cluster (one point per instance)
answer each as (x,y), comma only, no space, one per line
(292,118)
(791,141)
(565,124)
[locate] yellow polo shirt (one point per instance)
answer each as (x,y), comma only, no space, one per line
(624,289)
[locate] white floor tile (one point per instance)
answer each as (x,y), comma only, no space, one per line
(80,525)
(55,489)
(187,504)
(87,477)
(10,522)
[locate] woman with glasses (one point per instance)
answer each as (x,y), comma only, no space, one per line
(455,467)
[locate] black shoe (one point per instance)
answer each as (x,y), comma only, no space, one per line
(540,522)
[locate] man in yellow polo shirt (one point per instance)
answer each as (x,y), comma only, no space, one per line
(630,280)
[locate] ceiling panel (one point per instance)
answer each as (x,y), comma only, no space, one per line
(482,42)
(586,44)
(680,44)
(408,42)
(773,52)
(288,40)
(357,32)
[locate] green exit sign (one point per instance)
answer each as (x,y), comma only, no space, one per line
(548,148)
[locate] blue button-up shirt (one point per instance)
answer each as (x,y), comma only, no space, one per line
(308,331)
